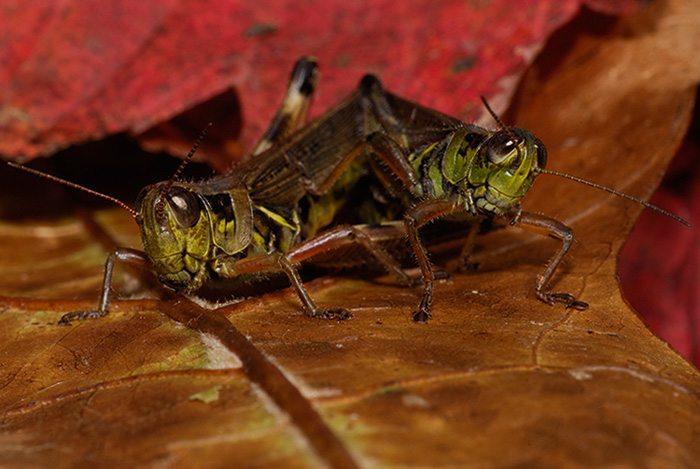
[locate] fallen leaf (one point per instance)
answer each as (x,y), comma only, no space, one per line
(496,378)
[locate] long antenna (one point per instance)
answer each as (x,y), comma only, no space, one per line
(161,203)
(505,128)
(35,172)
(613,191)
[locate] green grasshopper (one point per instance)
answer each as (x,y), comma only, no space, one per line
(436,166)
(260,216)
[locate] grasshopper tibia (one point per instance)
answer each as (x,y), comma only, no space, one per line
(122,254)
(556,229)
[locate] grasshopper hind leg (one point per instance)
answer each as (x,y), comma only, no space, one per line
(294,109)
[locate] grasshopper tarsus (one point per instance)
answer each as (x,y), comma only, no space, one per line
(415,282)
(66,319)
(579,305)
(338,314)
(569,300)
(79,316)
(421,316)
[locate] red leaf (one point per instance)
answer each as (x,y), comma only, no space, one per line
(82,70)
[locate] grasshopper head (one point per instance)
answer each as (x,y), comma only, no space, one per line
(505,167)
(175,233)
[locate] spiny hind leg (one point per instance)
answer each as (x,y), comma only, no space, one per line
(294,109)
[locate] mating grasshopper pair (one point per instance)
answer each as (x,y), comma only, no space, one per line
(391,164)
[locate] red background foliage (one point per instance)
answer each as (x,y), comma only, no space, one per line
(82,70)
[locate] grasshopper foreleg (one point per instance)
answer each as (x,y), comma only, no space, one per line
(544,224)
(121,254)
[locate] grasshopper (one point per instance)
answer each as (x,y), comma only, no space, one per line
(268,214)
(435,166)
(261,216)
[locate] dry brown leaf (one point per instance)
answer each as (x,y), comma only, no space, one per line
(496,379)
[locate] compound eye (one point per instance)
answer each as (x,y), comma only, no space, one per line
(184,206)
(499,147)
(541,154)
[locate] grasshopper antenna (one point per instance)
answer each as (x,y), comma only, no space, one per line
(161,203)
(500,123)
(41,174)
(494,115)
(617,193)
